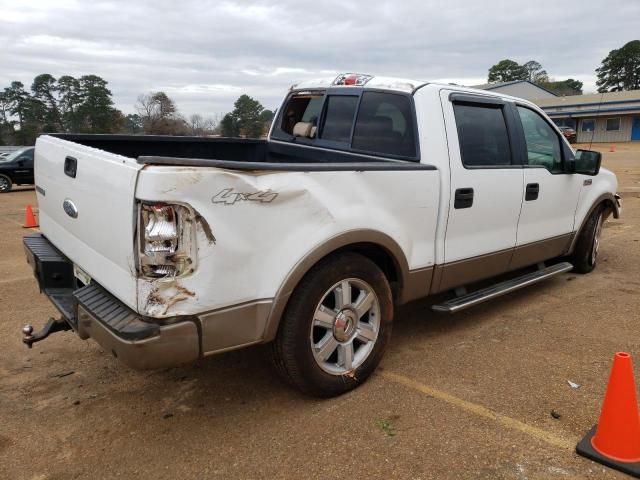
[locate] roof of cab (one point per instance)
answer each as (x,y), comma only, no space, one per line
(403,85)
(385,83)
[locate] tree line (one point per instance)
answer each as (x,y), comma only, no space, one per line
(158,115)
(66,104)
(85,105)
(619,70)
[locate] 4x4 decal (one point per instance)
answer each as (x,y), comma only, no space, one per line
(229,197)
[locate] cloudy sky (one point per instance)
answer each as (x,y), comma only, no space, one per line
(206,53)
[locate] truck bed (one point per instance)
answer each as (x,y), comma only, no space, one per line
(236,153)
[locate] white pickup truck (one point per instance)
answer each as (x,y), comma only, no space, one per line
(369,192)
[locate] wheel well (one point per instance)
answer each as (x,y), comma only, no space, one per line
(394,268)
(382,258)
(609,207)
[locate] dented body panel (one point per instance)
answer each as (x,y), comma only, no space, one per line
(264,223)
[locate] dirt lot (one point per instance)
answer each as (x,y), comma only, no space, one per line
(463,396)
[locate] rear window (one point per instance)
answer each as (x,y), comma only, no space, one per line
(305,108)
(385,125)
(339,118)
(371,122)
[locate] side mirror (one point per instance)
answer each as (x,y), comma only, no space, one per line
(587,162)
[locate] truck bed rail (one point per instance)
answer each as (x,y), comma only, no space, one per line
(285,166)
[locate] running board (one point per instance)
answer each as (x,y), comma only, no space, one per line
(471,299)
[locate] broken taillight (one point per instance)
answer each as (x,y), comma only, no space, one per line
(165,240)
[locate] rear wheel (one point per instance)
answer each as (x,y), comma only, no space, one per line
(336,326)
(585,254)
(5,184)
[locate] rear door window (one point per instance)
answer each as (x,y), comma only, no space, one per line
(483,135)
(339,118)
(385,125)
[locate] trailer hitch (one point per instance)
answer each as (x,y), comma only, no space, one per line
(52,326)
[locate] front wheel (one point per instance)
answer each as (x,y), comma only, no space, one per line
(336,326)
(585,254)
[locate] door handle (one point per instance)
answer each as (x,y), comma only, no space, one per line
(532,191)
(463,198)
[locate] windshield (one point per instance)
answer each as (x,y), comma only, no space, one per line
(13,155)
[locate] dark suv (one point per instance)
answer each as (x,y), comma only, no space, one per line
(16,168)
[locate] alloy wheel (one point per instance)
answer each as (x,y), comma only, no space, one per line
(345,326)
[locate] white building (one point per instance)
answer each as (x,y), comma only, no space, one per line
(518,88)
(597,117)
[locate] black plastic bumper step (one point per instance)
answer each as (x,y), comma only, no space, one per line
(111,312)
(479,296)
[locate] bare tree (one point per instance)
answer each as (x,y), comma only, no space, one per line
(200,126)
(159,115)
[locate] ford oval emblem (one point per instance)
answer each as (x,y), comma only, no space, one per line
(70,208)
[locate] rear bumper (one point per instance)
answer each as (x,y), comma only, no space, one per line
(94,313)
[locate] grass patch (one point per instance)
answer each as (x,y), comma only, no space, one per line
(386,427)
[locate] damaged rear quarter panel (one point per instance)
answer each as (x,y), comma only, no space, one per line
(251,235)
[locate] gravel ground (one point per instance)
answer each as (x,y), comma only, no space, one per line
(463,396)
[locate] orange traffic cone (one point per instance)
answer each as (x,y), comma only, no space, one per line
(29,218)
(612,148)
(615,441)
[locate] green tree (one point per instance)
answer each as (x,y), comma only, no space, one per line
(246,119)
(564,87)
(229,126)
(44,88)
(620,70)
(69,101)
(70,105)
(507,71)
(96,111)
(27,110)
(535,72)
(266,117)
(133,123)
(17,98)
(7,125)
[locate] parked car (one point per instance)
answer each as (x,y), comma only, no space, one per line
(16,168)
(569,133)
(369,192)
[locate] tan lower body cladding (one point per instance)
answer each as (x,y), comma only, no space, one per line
(249,323)
(463,272)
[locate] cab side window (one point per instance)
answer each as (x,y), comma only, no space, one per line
(483,136)
(543,143)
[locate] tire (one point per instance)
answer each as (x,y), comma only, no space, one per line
(326,346)
(5,184)
(585,254)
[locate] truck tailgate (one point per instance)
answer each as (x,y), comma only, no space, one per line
(100,239)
